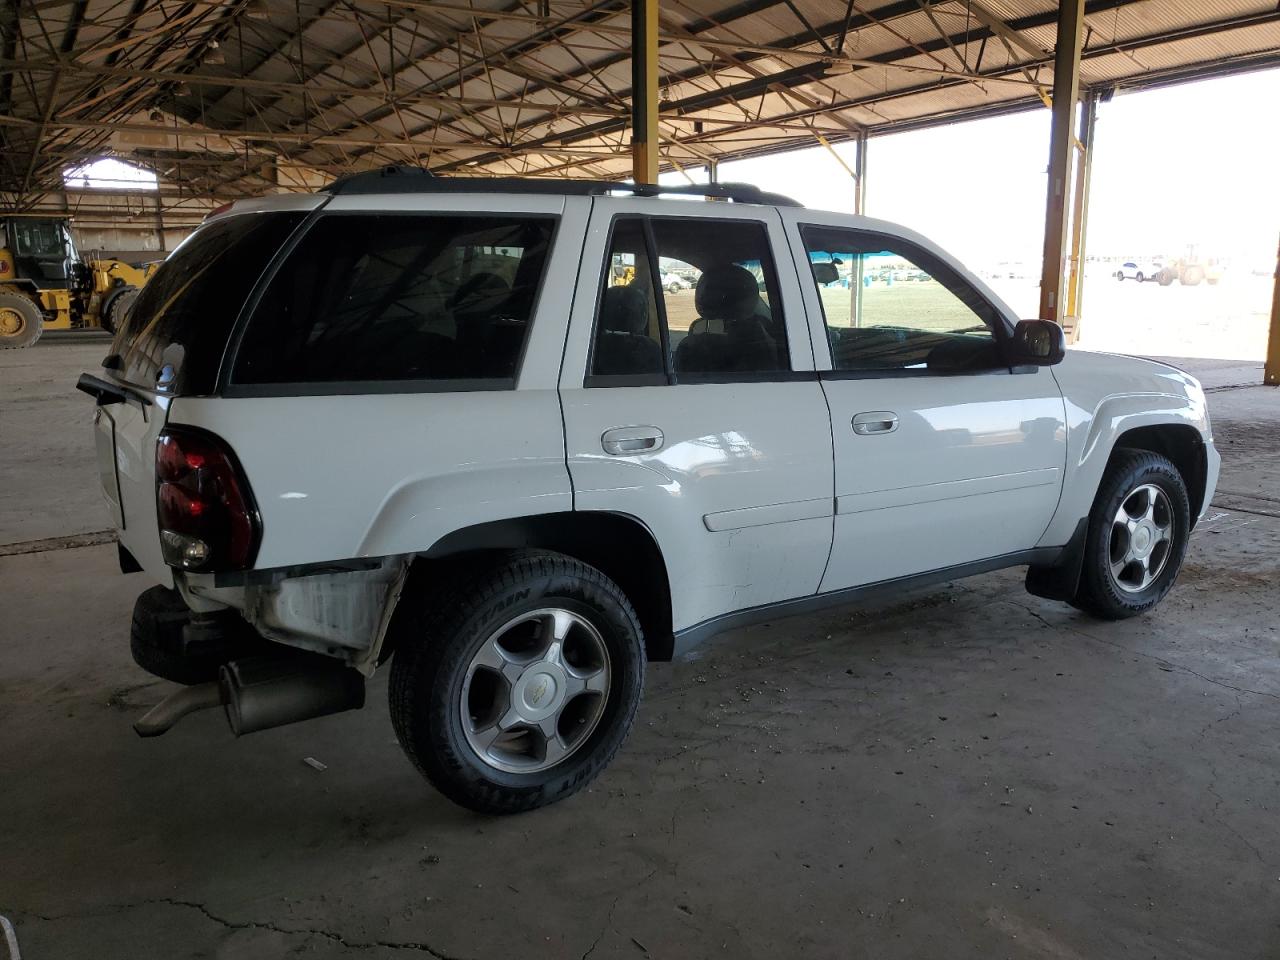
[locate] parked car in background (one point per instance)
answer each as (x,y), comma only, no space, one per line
(1131,270)
(674,283)
(417,422)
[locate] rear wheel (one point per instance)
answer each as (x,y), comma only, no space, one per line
(21,321)
(116,306)
(518,686)
(1137,536)
(1139,277)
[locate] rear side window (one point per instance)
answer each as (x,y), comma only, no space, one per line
(367,298)
(184,315)
(688,300)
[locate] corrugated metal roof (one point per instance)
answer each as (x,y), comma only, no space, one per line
(500,88)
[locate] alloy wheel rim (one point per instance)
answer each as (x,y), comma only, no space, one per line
(535,690)
(1142,538)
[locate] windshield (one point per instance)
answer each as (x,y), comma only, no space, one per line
(38,238)
(184,316)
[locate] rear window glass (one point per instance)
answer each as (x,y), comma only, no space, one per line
(184,315)
(371,297)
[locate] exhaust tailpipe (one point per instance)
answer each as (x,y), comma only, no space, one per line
(264,692)
(177,705)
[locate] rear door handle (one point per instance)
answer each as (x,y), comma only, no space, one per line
(623,441)
(875,421)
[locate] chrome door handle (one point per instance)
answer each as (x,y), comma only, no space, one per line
(876,421)
(623,441)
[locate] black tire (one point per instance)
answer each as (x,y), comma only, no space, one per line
(1099,593)
(155,638)
(436,640)
(115,306)
(21,321)
(1139,277)
(1120,275)
(673,289)
(157,644)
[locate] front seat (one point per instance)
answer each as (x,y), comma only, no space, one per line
(622,346)
(728,336)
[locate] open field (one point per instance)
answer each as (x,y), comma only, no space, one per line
(1227,321)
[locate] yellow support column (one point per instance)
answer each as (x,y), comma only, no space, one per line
(644,91)
(1272,377)
(1080,219)
(1062,143)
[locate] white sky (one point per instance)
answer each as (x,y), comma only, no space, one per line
(109,173)
(1194,163)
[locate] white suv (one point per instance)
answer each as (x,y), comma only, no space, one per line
(434,422)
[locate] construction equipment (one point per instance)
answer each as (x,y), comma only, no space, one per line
(45,285)
(1190,270)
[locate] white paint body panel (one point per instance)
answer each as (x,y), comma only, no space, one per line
(739,496)
(370,476)
(1107,395)
(126,438)
(973,469)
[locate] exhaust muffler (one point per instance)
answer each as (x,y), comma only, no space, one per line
(264,692)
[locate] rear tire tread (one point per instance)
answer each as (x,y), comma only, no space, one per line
(440,630)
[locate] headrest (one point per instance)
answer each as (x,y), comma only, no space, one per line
(726,292)
(624,310)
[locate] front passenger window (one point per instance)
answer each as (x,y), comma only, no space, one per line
(891,306)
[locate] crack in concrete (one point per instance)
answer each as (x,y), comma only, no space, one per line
(75,541)
(608,920)
(409,945)
(608,925)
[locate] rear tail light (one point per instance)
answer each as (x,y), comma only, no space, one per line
(208,520)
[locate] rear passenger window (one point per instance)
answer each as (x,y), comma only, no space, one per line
(688,300)
(399,298)
(628,339)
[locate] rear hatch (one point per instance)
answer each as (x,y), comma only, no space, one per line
(172,344)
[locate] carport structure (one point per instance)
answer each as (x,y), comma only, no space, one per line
(230,99)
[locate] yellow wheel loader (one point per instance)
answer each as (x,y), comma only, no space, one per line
(44,285)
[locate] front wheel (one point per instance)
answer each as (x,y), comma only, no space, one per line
(1139,277)
(1137,536)
(517,689)
(673,288)
(21,321)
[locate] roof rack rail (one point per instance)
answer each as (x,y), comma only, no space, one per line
(410,179)
(737,192)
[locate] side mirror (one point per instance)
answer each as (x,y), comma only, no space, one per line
(825,272)
(1039,343)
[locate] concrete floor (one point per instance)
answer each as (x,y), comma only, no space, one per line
(966,772)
